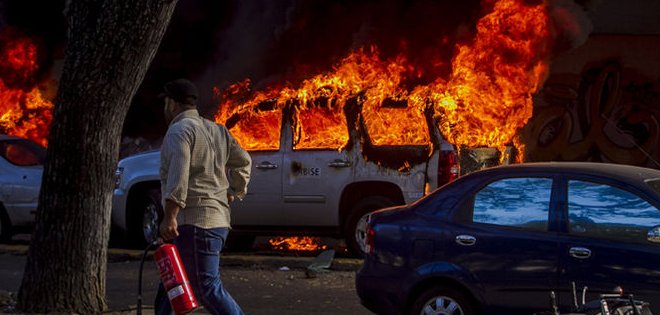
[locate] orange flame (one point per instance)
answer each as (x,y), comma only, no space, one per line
(484,102)
(24,110)
(319,102)
(304,243)
(489,95)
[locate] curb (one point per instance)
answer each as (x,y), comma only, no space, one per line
(228,259)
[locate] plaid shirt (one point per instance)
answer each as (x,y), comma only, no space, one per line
(196,158)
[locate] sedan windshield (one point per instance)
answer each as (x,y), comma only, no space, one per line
(21,152)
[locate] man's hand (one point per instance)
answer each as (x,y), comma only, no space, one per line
(168,229)
(230,198)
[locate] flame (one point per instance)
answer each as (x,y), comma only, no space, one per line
(304,243)
(259,127)
(254,129)
(25,111)
(326,129)
(489,94)
(319,120)
(484,102)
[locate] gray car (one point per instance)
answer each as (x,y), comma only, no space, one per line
(21,168)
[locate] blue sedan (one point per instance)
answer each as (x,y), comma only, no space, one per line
(497,241)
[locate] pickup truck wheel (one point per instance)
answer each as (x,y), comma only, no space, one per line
(145,215)
(356,224)
(5,226)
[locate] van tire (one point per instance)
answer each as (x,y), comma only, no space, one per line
(353,233)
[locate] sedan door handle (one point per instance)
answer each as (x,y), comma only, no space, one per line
(339,163)
(266,166)
(580,252)
(466,240)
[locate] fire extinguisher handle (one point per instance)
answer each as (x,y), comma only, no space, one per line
(159,241)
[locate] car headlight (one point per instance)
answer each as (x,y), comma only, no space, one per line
(118,174)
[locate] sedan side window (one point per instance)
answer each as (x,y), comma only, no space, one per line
(515,202)
(603,211)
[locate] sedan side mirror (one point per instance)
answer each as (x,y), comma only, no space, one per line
(654,234)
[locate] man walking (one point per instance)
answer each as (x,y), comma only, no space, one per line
(202,169)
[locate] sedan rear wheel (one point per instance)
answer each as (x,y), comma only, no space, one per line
(442,301)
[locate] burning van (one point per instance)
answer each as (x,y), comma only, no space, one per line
(318,168)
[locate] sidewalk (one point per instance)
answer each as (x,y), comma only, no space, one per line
(248,277)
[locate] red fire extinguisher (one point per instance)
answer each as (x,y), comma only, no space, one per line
(174,278)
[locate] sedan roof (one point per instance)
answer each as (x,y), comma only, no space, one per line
(621,172)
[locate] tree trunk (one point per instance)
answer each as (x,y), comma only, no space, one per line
(110,46)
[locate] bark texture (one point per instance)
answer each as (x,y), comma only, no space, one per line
(110,46)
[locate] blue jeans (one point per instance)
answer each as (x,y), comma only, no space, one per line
(200,254)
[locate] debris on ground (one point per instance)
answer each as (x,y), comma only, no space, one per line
(321,263)
(7,302)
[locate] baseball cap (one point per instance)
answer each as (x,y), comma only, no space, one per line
(180,90)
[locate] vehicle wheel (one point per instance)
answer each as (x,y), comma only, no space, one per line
(239,242)
(145,215)
(356,224)
(442,300)
(628,310)
(5,226)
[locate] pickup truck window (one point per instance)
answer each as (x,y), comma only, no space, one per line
(258,130)
(395,123)
(320,128)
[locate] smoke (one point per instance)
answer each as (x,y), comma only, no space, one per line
(244,45)
(218,43)
(571,21)
(3,22)
(273,42)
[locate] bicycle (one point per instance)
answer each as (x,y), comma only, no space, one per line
(607,304)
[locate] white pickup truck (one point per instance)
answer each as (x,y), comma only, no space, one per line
(297,189)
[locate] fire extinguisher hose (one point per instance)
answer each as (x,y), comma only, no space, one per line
(144,257)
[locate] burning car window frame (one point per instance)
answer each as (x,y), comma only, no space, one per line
(250,115)
(37,153)
(297,125)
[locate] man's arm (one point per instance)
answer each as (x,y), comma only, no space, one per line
(239,165)
(177,182)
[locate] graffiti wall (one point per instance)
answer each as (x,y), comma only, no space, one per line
(601,103)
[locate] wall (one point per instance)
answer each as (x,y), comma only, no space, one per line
(601,102)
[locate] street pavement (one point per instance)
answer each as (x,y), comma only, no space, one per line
(261,284)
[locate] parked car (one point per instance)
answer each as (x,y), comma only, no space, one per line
(497,241)
(21,167)
(297,188)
